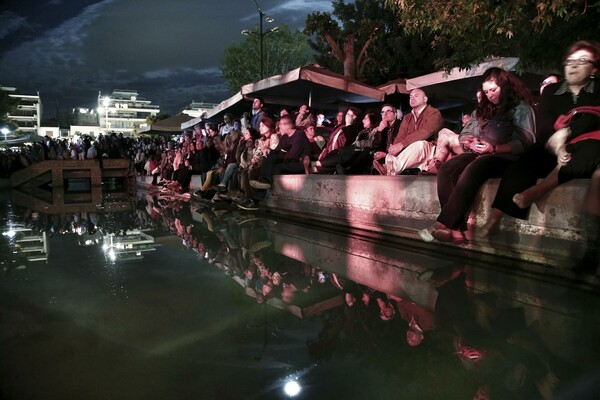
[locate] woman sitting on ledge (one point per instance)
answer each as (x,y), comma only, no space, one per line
(339,141)
(502,128)
(579,88)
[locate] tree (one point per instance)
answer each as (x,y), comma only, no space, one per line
(364,40)
(284,50)
(536,32)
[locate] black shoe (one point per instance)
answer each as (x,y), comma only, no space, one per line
(260,183)
(411,171)
(208,194)
(248,205)
(339,170)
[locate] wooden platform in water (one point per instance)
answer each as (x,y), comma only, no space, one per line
(57,172)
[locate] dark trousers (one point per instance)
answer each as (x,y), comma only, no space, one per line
(273,165)
(352,159)
(246,175)
(520,176)
(459,181)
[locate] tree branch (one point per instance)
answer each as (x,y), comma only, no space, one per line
(361,60)
(335,50)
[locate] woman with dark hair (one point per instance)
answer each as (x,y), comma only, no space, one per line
(502,128)
(341,138)
(359,158)
(579,88)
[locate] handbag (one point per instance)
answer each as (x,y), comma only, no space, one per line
(565,119)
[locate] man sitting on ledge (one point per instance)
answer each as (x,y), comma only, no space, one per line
(413,145)
(291,156)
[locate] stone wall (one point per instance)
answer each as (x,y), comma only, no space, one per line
(401,205)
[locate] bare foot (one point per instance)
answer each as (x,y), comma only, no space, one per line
(522,200)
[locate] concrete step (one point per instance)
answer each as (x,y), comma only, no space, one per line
(402,205)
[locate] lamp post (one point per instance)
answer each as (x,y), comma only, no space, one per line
(5,131)
(261,34)
(105,103)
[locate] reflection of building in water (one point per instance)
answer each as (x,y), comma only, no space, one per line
(129,246)
(33,245)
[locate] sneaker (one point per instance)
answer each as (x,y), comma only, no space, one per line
(221,187)
(261,183)
(249,205)
(218,198)
(426,235)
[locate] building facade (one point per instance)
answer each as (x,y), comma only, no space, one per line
(28,114)
(198,108)
(124,112)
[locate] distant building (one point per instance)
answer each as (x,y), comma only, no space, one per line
(29,111)
(124,112)
(77,131)
(83,116)
(50,131)
(196,109)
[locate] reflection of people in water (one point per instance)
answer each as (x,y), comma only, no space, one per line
(504,357)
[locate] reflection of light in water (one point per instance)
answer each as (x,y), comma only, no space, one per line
(292,388)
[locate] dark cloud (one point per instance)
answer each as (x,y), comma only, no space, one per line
(169,52)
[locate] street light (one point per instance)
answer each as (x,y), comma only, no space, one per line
(5,131)
(261,34)
(105,103)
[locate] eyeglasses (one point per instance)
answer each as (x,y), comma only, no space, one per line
(576,61)
(386,111)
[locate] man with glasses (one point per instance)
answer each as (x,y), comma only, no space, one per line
(412,146)
(291,156)
(389,125)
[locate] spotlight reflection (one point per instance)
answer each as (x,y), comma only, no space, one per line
(292,388)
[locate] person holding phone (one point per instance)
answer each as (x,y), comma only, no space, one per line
(501,129)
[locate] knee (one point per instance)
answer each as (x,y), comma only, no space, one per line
(418,147)
(595,180)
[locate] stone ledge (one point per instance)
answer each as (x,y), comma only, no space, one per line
(401,205)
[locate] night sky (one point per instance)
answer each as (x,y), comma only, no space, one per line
(169,51)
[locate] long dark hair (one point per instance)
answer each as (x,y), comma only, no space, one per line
(374,118)
(512,92)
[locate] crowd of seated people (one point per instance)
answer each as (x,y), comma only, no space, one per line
(508,136)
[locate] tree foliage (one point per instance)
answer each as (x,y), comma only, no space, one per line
(363,39)
(283,50)
(535,31)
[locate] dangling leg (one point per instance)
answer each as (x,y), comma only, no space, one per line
(591,223)
(492,224)
(527,198)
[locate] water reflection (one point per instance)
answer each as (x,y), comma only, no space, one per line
(378,320)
